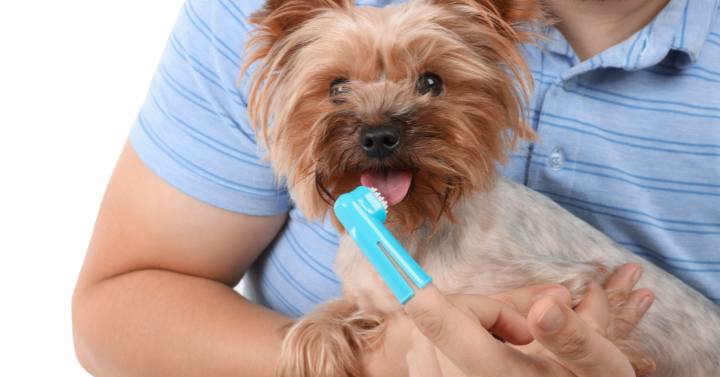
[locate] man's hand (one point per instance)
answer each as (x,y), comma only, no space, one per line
(569,343)
(564,336)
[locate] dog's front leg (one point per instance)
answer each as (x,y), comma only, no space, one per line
(489,274)
(575,276)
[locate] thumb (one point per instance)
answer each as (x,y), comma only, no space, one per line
(574,343)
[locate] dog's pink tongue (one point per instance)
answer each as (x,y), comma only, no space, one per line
(393,185)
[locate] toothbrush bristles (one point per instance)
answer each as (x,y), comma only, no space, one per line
(380,197)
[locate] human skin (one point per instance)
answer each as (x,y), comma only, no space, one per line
(567,342)
(155,296)
(591,26)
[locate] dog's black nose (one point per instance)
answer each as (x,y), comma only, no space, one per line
(379,141)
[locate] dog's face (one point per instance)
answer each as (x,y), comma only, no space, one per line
(419,100)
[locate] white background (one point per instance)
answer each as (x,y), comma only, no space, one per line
(73,74)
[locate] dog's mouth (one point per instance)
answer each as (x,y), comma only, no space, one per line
(394,185)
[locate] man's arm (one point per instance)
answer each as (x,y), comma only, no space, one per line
(155,296)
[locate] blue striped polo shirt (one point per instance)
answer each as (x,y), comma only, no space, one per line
(629,142)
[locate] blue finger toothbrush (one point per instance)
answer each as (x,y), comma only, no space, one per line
(363,212)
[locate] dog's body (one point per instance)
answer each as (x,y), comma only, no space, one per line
(513,237)
(422,100)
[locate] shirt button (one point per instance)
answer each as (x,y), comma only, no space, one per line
(556,159)
(569,84)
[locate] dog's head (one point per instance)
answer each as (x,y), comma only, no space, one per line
(420,100)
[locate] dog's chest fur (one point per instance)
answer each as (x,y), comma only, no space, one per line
(513,237)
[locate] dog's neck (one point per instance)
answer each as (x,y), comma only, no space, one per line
(478,205)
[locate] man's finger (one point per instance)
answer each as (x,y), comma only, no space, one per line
(459,336)
(522,299)
(576,345)
(593,308)
(422,359)
(625,317)
(624,278)
(445,325)
(498,317)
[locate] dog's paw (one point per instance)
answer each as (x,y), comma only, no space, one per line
(623,319)
(329,341)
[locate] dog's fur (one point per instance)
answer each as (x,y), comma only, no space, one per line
(472,231)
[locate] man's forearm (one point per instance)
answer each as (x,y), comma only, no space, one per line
(159,323)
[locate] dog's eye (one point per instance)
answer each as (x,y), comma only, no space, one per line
(430,83)
(337,88)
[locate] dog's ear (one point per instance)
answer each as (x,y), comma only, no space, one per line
(272,44)
(281,17)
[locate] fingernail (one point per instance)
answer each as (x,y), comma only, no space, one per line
(552,319)
(547,292)
(636,275)
(645,302)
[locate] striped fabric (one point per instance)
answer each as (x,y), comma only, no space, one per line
(629,141)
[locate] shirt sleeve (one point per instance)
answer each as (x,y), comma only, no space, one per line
(193,129)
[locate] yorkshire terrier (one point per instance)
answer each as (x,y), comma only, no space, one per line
(422,101)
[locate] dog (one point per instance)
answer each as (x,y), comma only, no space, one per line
(423,100)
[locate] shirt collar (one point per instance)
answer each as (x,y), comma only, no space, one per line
(697,20)
(682,26)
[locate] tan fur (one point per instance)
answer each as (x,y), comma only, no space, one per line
(471,230)
(456,138)
(326,343)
